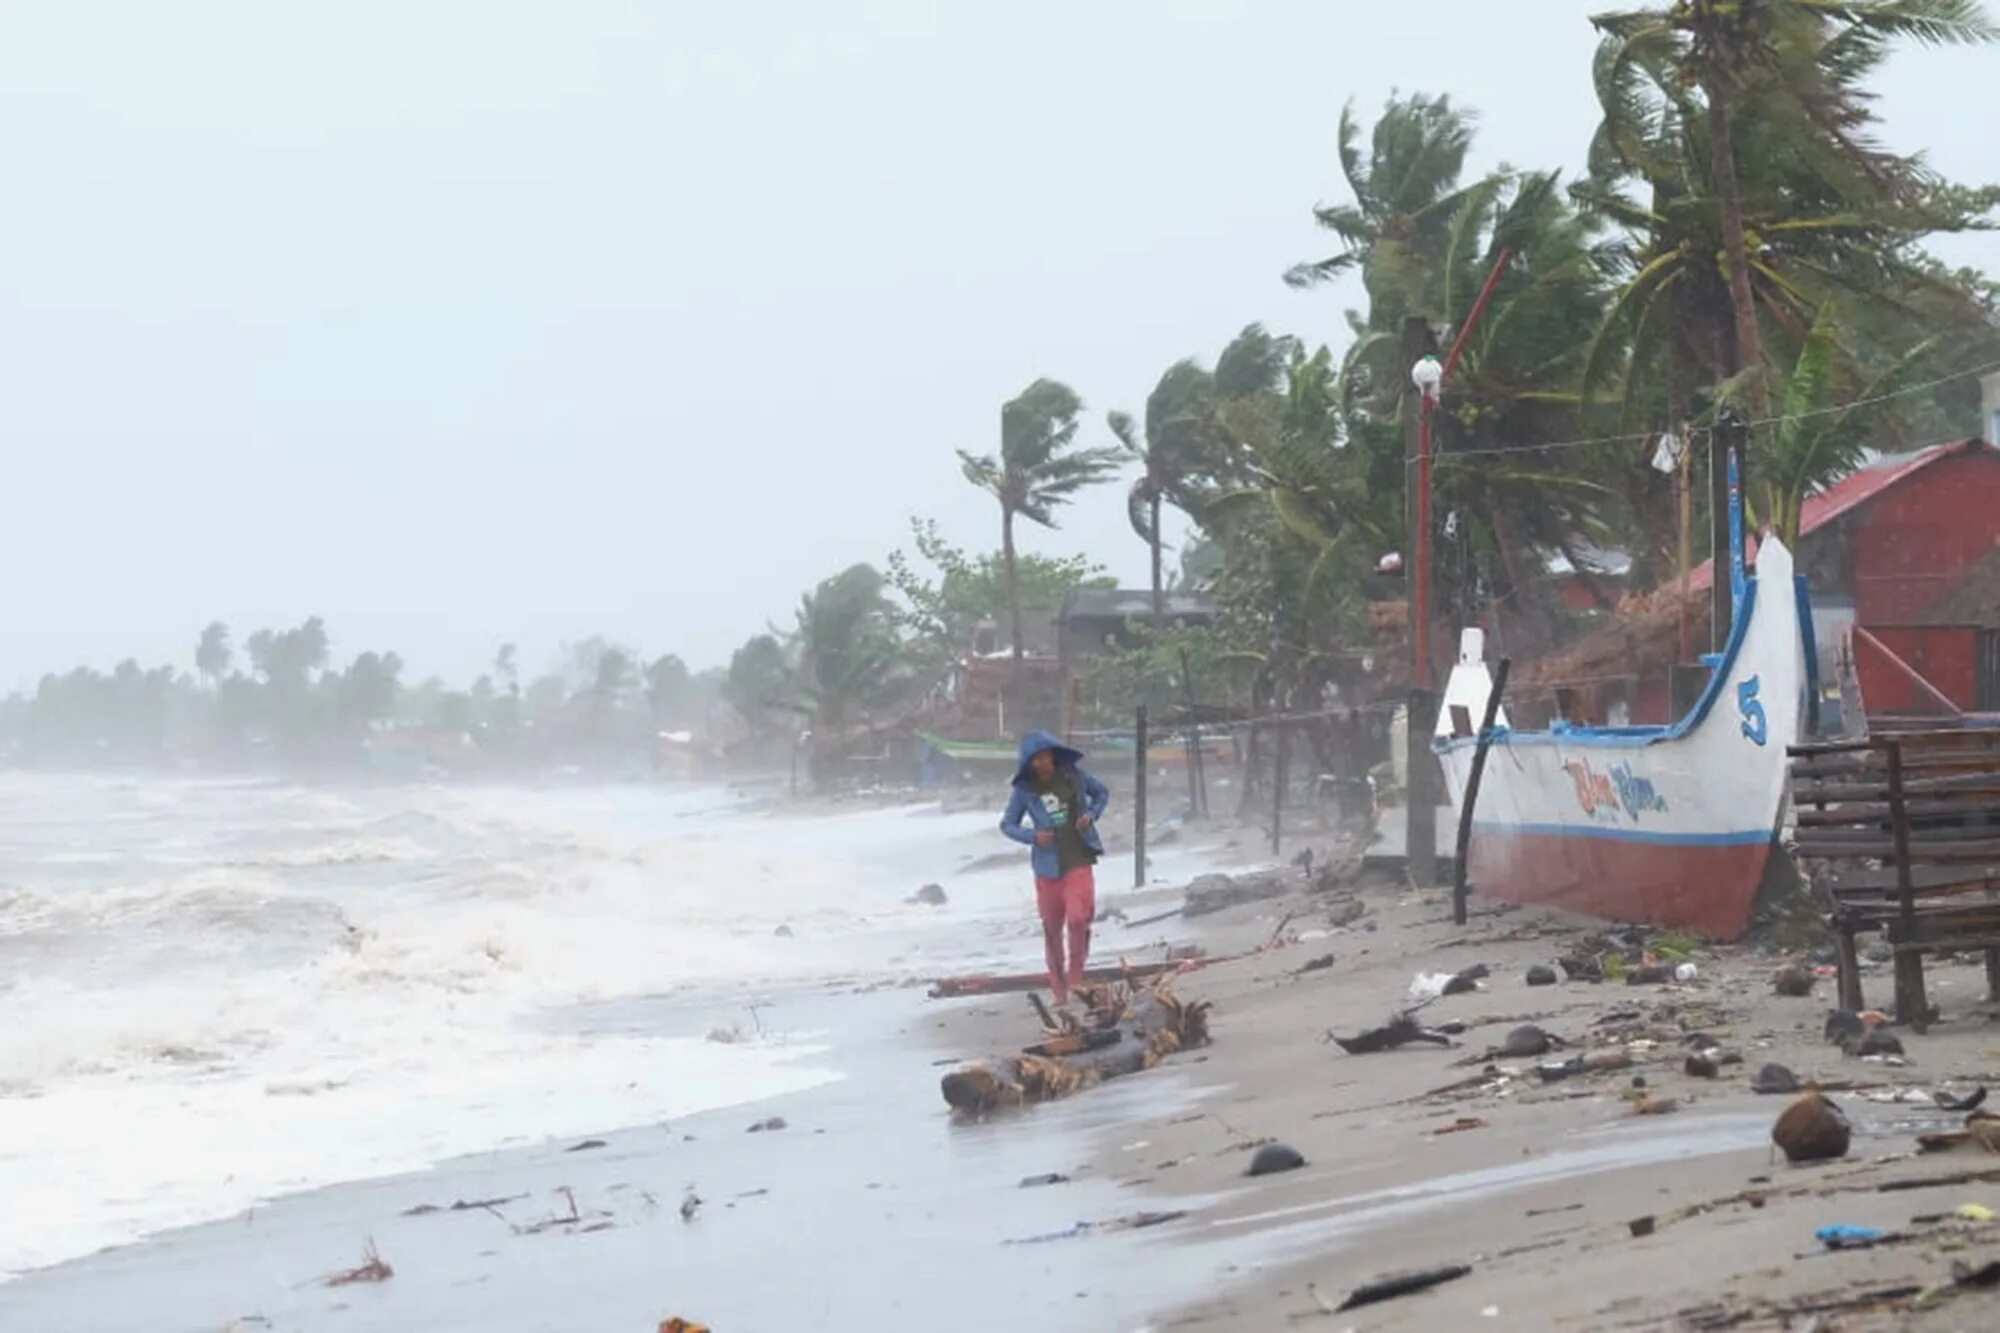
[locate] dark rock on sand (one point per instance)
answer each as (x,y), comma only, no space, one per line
(1582,968)
(768,1125)
(1524,1041)
(1701,1064)
(930,895)
(1873,1042)
(1970,1102)
(1843,1025)
(1468,980)
(1046,1178)
(1774,1078)
(783,932)
(1650,975)
(1541,974)
(1346,912)
(1792,979)
(1273,1158)
(1812,1129)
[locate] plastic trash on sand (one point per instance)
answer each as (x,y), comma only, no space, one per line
(1841,1236)
(1975,1212)
(1685,973)
(1429,985)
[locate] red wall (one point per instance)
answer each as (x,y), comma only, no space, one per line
(1945,655)
(1917,538)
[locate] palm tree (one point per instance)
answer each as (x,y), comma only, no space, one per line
(1037,469)
(212,655)
(1797,65)
(1178,414)
(846,645)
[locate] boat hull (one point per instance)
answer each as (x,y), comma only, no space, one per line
(1672,826)
(1709,888)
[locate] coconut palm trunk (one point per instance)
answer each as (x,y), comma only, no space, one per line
(1159,589)
(1013,574)
(1736,246)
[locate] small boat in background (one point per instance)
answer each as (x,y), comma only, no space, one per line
(1669,825)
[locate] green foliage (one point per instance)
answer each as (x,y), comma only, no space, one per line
(845,644)
(942,606)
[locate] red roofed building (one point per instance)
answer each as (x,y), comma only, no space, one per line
(1889,552)
(1903,561)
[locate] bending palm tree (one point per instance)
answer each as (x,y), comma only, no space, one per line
(1037,469)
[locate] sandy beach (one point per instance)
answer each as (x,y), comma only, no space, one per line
(870,1206)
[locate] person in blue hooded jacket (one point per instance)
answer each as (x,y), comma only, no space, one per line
(1054,809)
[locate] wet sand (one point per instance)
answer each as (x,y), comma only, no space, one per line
(1538,1195)
(873,1209)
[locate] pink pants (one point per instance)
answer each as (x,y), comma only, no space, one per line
(1067,905)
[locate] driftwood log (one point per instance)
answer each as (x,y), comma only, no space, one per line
(1125,1027)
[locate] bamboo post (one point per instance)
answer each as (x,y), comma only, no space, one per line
(1197,773)
(1139,801)
(1280,780)
(1911,1007)
(1459,891)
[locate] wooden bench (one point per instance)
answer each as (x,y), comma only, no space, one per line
(1906,827)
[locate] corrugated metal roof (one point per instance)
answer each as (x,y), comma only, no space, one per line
(1850,493)
(1131,604)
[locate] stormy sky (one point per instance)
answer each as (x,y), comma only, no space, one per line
(461,321)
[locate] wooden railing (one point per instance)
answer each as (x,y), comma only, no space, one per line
(1906,827)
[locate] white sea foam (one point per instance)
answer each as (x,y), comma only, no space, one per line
(211,993)
(215,992)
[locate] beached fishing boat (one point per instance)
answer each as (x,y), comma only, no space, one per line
(1671,825)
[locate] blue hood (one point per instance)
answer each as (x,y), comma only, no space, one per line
(1033,744)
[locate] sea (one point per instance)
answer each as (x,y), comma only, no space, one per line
(217,992)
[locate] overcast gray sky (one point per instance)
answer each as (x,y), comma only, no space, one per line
(460,321)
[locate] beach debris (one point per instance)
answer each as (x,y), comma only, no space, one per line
(1641,1226)
(1582,968)
(1875,1041)
(1346,911)
(373,1268)
(1794,979)
(1273,1158)
(1649,974)
(930,895)
(1974,1212)
(767,1125)
(1459,1126)
(676,1324)
(1986,1275)
(1214,892)
(1647,1103)
(1524,1041)
(1046,1178)
(1700,1064)
(951,988)
(690,1204)
(585,1146)
(1401,1284)
(1128,1222)
(464,1205)
(1812,1129)
(726,1034)
(783,932)
(1318,964)
(1541,974)
(1842,1236)
(1685,972)
(1146,1023)
(1981,1130)
(1400,1030)
(1598,1061)
(1774,1078)
(1970,1102)
(1843,1025)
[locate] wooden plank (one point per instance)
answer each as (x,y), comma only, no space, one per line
(1911,1007)
(1816,790)
(1927,879)
(1974,806)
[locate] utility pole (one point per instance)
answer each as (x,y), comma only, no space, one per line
(1420,799)
(1722,591)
